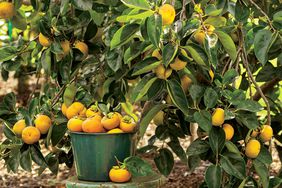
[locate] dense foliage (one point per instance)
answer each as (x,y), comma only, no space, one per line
(231,52)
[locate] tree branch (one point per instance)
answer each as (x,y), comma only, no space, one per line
(246,65)
(266,16)
(267,86)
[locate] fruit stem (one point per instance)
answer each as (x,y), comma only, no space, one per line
(118,162)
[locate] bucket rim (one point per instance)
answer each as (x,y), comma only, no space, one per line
(101,134)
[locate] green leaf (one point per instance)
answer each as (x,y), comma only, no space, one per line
(232,147)
(198,147)
(248,105)
(46,61)
(146,119)
(262,171)
(262,43)
(227,43)
(19,20)
(264,156)
(127,18)
(164,161)
(25,160)
(8,132)
(229,76)
(145,66)
(169,52)
(7,53)
(242,11)
(13,161)
(177,95)
(210,97)
(83,4)
(138,167)
(216,139)
(213,176)
(123,35)
(203,118)
(248,119)
(154,29)
(216,21)
(233,164)
(197,54)
(58,132)
(69,94)
(178,150)
(64,6)
(211,10)
(36,155)
(196,92)
(139,4)
(145,89)
(275,182)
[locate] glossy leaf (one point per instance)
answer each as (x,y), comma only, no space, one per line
(164,161)
(169,52)
(262,171)
(262,43)
(203,118)
(210,97)
(216,139)
(198,147)
(146,119)
(154,29)
(124,34)
(146,65)
(139,4)
(227,43)
(213,176)
(229,76)
(233,164)
(177,95)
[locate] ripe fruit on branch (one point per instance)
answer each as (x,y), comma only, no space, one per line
(162,72)
(266,133)
(43,123)
(229,131)
(66,47)
(168,14)
(19,127)
(252,148)
(179,64)
(30,135)
(159,118)
(44,41)
(156,53)
(218,117)
(185,83)
(82,47)
(6,10)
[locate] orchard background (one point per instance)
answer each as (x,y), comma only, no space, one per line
(172,61)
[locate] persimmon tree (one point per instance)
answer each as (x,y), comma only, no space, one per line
(215,65)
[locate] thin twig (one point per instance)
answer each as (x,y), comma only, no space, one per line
(182,13)
(57,96)
(246,65)
(36,85)
(266,16)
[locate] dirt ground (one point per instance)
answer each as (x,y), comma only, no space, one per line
(179,178)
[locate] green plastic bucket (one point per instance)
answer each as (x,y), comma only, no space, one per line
(94,153)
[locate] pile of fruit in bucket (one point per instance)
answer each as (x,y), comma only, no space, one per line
(92,120)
